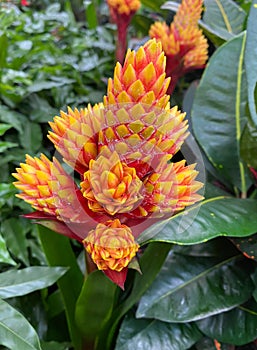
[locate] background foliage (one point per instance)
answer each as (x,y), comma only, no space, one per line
(198,289)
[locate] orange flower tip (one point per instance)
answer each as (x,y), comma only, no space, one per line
(111,245)
(110,185)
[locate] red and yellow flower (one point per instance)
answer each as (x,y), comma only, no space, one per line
(183,42)
(122,150)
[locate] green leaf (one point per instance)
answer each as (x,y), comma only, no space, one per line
(58,251)
(224,17)
(95,303)
(4,254)
(154,334)
(91,15)
(4,128)
(247,245)
(47,85)
(218,114)
(3,51)
(15,330)
(209,219)
(53,345)
(15,283)
(150,264)
(191,288)
(249,145)
(14,234)
(250,60)
(237,326)
(31,138)
(5,145)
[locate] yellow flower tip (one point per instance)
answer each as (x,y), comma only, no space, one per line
(183,42)
(110,185)
(111,245)
(141,78)
(124,7)
(170,189)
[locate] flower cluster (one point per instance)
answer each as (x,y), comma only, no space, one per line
(184,44)
(122,152)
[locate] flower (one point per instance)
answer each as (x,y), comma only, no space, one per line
(110,185)
(184,44)
(122,151)
(142,78)
(111,245)
(122,12)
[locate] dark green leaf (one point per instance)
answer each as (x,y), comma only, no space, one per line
(59,253)
(20,282)
(218,114)
(247,245)
(154,334)
(3,51)
(250,59)
(4,128)
(95,303)
(55,346)
(14,234)
(5,145)
(43,85)
(237,326)
(209,219)
(15,330)
(191,288)
(249,145)
(4,254)
(224,17)
(31,138)
(150,264)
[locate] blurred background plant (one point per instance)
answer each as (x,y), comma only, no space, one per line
(58,54)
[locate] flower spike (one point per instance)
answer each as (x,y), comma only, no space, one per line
(142,78)
(183,42)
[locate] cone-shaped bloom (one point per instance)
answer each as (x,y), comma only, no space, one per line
(111,245)
(74,135)
(183,42)
(122,12)
(141,78)
(122,150)
(110,185)
(169,189)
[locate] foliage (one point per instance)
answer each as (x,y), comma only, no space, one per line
(198,285)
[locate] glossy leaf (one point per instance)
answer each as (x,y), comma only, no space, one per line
(20,282)
(150,264)
(237,326)
(4,254)
(192,288)
(224,17)
(247,245)
(59,253)
(95,303)
(4,128)
(208,219)
(14,234)
(249,144)
(250,60)
(153,334)
(218,114)
(15,330)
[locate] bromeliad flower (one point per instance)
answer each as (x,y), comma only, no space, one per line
(183,42)
(122,12)
(122,151)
